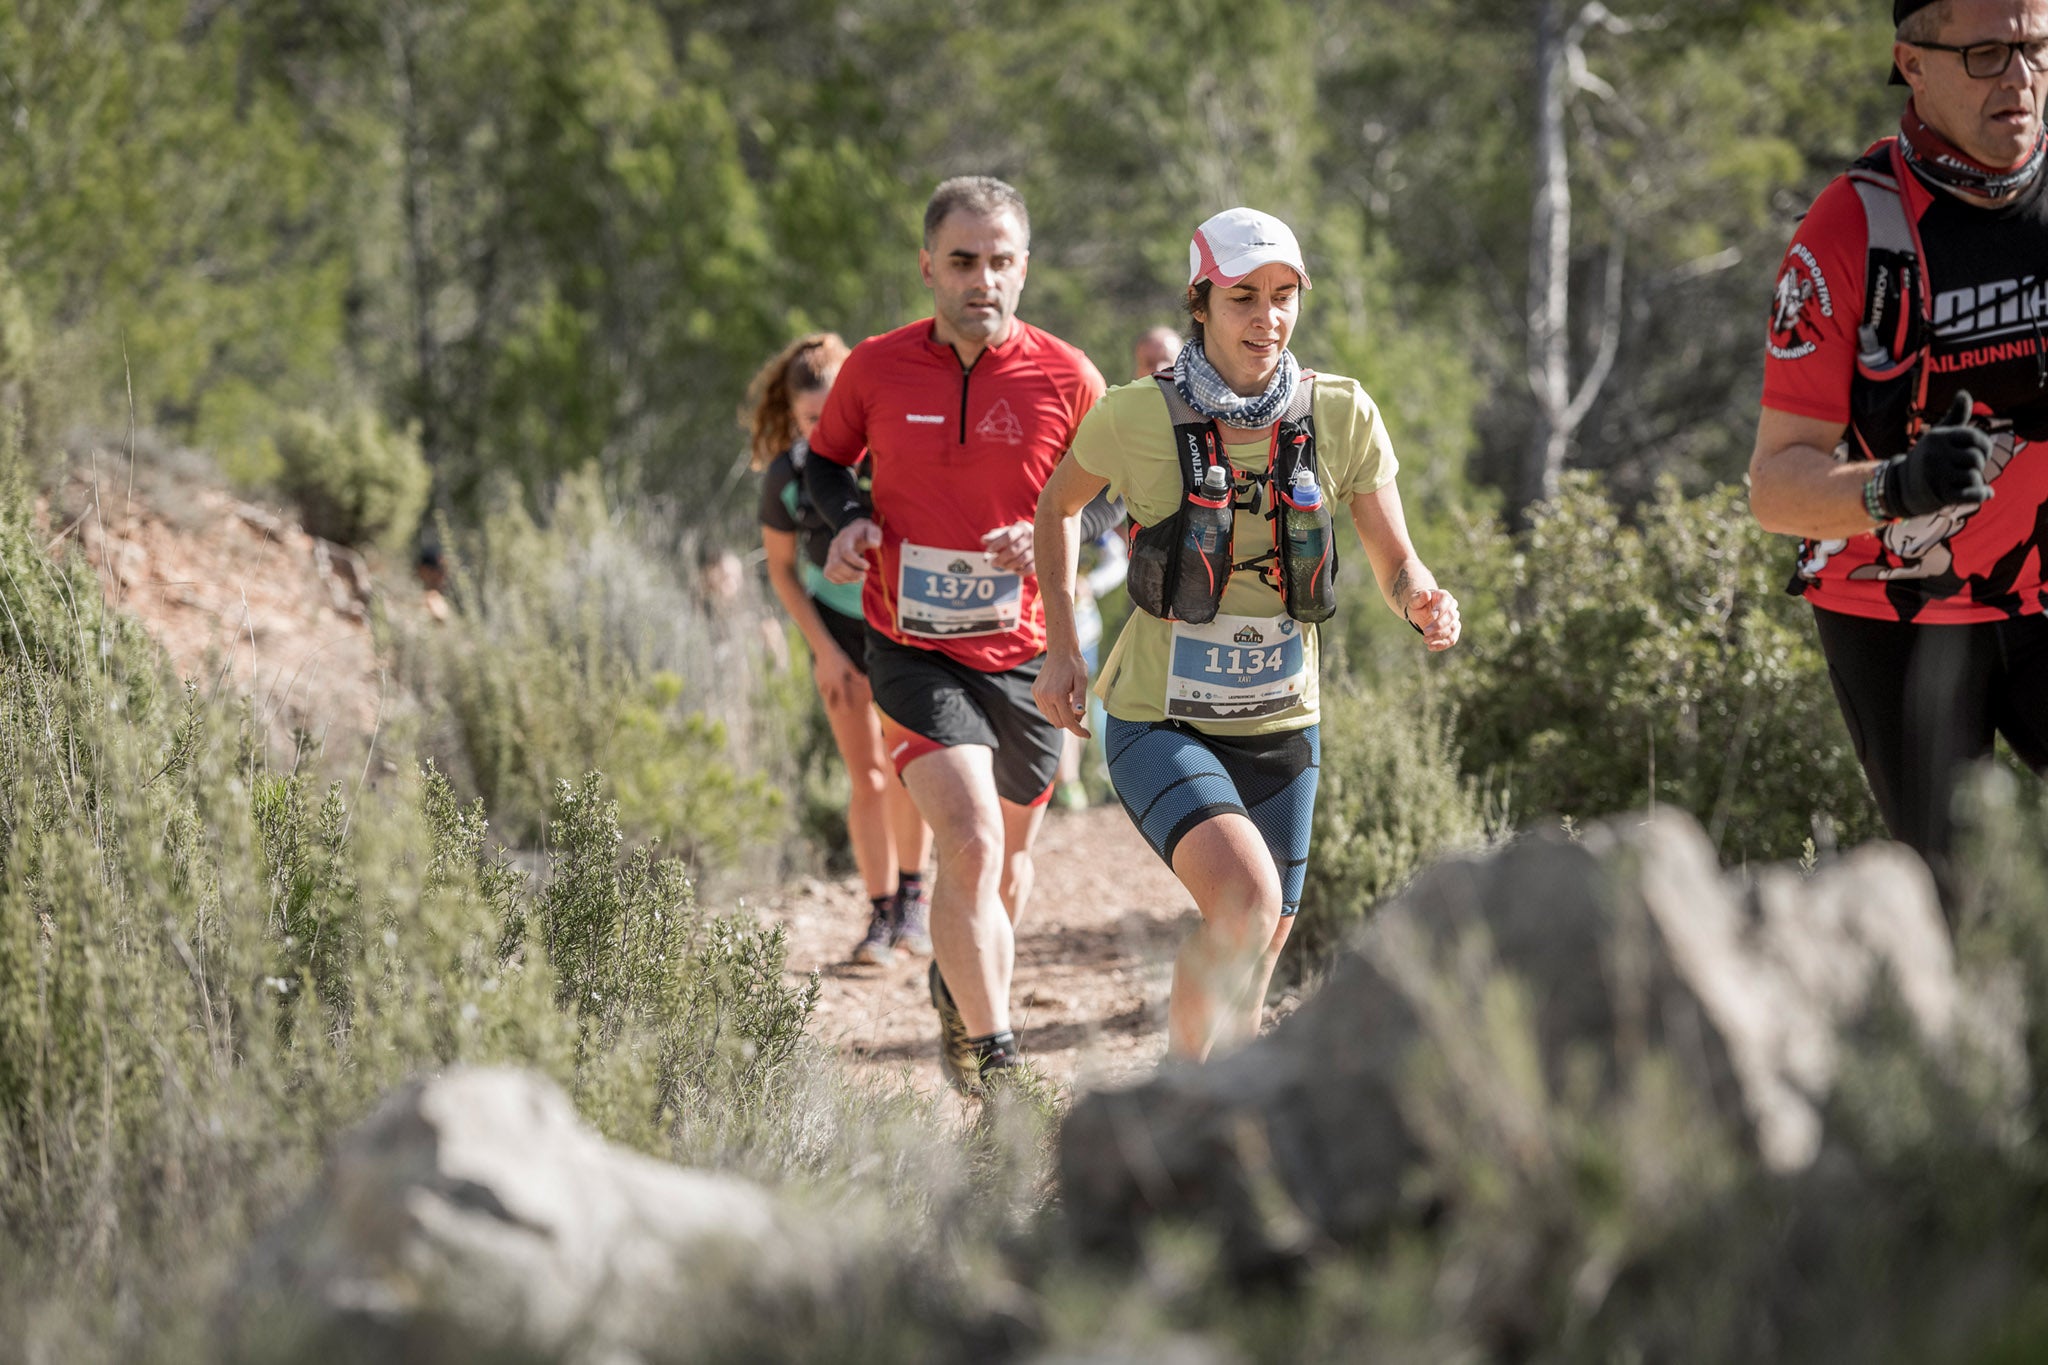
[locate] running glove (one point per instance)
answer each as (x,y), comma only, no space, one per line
(1945,467)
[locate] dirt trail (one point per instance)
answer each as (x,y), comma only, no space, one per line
(1094,959)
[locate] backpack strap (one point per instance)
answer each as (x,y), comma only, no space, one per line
(1891,336)
(1888,393)
(1196,446)
(1294,446)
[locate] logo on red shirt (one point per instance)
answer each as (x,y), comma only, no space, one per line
(1001,424)
(1802,289)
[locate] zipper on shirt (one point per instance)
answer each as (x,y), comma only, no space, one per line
(966,373)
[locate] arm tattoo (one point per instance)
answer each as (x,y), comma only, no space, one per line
(1404,587)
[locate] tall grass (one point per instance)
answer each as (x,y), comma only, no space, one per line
(581,645)
(209,967)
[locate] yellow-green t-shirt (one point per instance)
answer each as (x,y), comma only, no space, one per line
(1128,439)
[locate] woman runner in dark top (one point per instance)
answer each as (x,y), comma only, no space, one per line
(890,840)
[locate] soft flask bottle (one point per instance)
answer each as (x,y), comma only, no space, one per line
(1179,566)
(1205,549)
(1308,562)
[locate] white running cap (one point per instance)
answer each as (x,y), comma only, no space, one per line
(1236,242)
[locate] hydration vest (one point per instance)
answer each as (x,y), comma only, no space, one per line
(1888,395)
(1179,567)
(1888,391)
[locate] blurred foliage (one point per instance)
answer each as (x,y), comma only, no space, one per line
(356,482)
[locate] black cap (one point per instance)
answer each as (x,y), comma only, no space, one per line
(1900,10)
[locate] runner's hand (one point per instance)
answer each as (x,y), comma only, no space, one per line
(1009,547)
(847,560)
(1945,467)
(1434,612)
(836,676)
(1062,692)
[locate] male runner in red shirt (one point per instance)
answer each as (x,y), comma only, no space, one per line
(1905,388)
(965,416)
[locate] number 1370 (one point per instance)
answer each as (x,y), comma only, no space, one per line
(945,588)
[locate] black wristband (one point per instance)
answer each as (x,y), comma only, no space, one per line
(1876,505)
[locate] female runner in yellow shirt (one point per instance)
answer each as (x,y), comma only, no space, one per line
(1212,734)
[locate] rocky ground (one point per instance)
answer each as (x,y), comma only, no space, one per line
(241,599)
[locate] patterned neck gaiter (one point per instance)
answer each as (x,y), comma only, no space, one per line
(1206,393)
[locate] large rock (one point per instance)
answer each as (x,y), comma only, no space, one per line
(1628,944)
(474,1212)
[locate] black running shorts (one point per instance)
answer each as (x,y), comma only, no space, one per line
(931,701)
(850,633)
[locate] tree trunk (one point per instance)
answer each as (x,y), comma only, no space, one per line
(1550,245)
(1559,409)
(400,38)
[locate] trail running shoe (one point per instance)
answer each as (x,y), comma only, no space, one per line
(1002,1065)
(911,922)
(957,1059)
(874,949)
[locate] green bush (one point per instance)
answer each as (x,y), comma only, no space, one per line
(691,1007)
(1389,801)
(208,968)
(17,354)
(357,482)
(579,646)
(1610,666)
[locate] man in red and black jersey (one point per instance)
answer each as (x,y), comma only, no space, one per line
(964,416)
(1905,411)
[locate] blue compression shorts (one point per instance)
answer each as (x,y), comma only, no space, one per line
(1171,778)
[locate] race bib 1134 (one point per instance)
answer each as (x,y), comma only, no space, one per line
(1235,668)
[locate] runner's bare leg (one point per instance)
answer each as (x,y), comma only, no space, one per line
(1262,981)
(1225,864)
(955,789)
(870,775)
(913,837)
(1020,829)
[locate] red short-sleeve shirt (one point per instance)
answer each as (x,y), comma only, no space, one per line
(957,454)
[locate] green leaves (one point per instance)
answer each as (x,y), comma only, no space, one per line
(1612,665)
(562,234)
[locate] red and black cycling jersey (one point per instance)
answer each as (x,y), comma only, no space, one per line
(958,451)
(1987,269)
